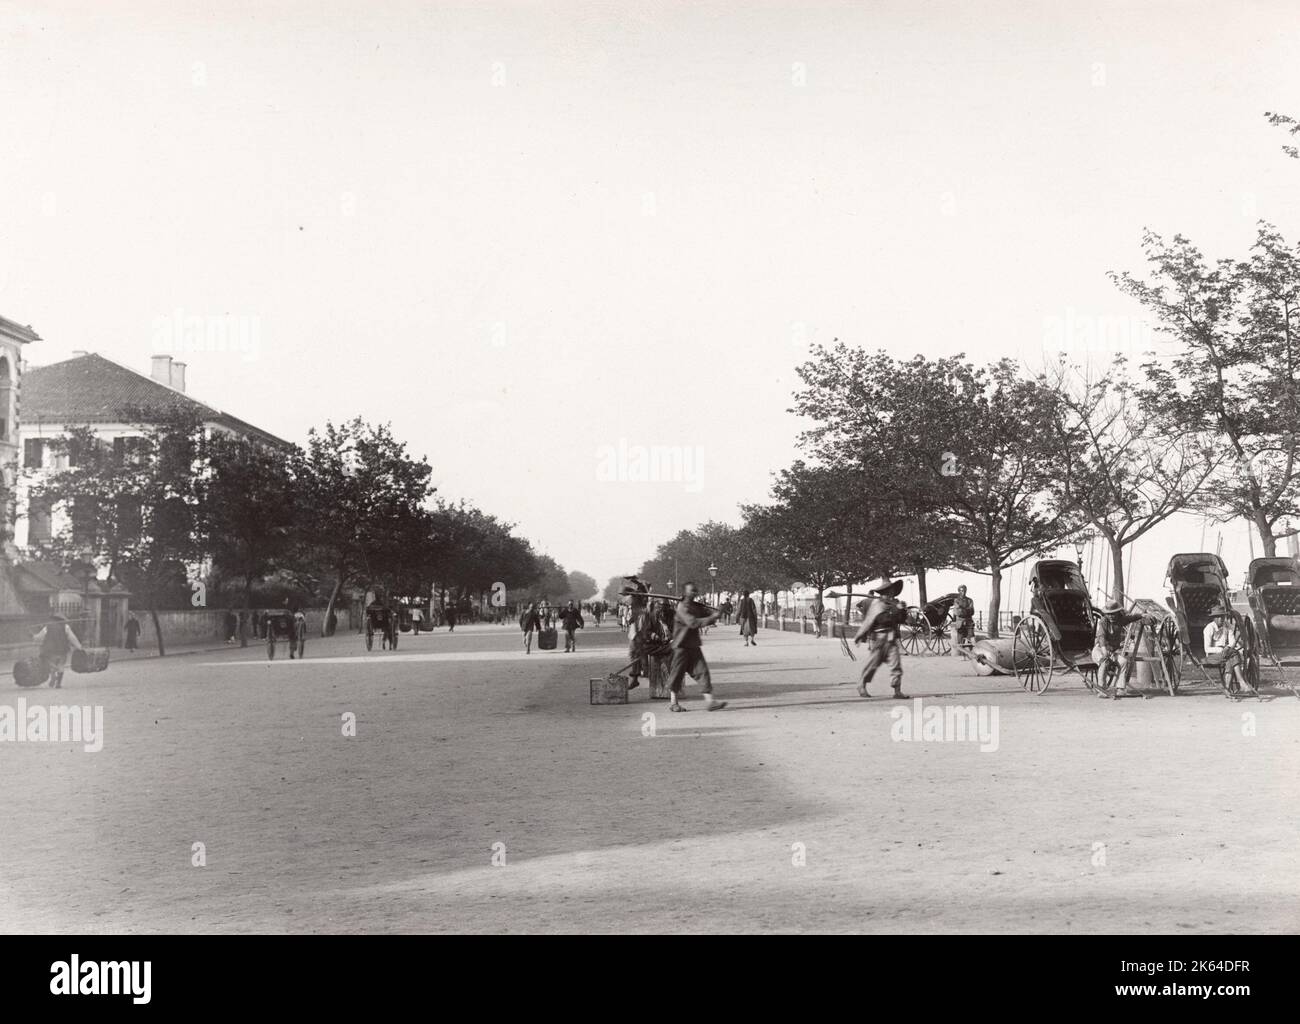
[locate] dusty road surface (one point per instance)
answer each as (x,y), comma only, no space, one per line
(800,807)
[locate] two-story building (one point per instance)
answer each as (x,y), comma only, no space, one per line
(118,403)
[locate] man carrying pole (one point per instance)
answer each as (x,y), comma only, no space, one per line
(880,624)
(688,657)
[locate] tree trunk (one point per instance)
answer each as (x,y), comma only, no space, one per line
(848,604)
(325,629)
(1266,539)
(995,594)
(248,611)
(922,598)
(157,630)
(1117,568)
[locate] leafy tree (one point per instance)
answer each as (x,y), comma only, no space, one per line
(966,447)
(581,586)
(366,497)
(139,516)
(1120,466)
(248,511)
(1234,380)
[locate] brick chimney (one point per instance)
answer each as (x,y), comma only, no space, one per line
(178,376)
(162,370)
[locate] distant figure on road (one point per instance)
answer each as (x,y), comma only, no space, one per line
(530,622)
(132,632)
(298,638)
(571,620)
(818,612)
(417,619)
(232,626)
(963,620)
(688,655)
(747,616)
(450,615)
(727,609)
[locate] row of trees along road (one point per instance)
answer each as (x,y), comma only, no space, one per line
(920,463)
(351,508)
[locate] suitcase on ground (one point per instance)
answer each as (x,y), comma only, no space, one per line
(546,639)
(91,659)
(31,672)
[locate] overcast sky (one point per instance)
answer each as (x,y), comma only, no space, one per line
(520,232)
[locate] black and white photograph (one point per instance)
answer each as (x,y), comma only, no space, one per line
(651,468)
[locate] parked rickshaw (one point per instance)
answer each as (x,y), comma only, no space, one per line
(382,620)
(1199,583)
(1273,591)
(279,626)
(1059,629)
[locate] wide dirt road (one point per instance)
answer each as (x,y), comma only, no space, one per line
(794,809)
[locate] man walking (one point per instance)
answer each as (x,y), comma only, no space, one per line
(530,622)
(571,620)
(688,657)
(879,626)
(57,640)
(132,632)
(747,616)
(818,612)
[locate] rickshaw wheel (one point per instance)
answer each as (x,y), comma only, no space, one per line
(1171,657)
(1250,651)
(914,633)
(1032,655)
(939,642)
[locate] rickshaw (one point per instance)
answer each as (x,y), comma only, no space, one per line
(1199,581)
(940,622)
(1273,592)
(279,626)
(1059,628)
(382,620)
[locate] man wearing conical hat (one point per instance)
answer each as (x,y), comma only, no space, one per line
(1108,647)
(880,623)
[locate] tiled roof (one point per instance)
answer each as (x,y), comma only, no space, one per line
(91,389)
(43,577)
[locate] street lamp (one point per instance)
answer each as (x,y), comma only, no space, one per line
(713,572)
(1079,543)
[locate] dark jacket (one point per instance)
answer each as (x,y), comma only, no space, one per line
(571,619)
(529,621)
(747,612)
(691,615)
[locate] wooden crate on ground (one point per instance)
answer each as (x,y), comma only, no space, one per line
(610,689)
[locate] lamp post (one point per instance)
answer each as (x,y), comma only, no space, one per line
(713,574)
(1079,543)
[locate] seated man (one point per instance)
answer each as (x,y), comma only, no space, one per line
(1223,646)
(1108,647)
